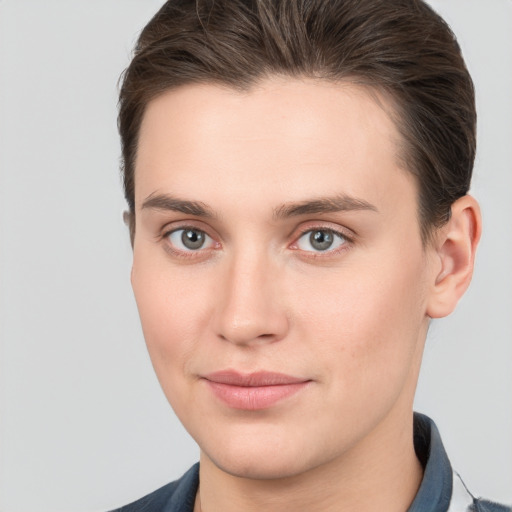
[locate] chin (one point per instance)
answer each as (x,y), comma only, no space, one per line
(267,457)
(268,468)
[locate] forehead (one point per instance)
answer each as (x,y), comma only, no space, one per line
(284,134)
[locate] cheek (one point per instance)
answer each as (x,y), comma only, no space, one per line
(173,309)
(366,324)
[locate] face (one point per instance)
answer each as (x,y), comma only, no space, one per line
(279,271)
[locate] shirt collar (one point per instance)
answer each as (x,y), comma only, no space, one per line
(435,491)
(184,496)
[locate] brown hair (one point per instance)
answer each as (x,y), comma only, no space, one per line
(400,47)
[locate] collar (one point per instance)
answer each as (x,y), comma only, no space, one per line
(435,491)
(184,496)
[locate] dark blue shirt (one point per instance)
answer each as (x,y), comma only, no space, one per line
(440,489)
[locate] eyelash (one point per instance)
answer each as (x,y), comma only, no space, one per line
(191,254)
(347,241)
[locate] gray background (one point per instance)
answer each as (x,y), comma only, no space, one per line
(84,425)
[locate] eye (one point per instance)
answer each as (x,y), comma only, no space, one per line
(320,240)
(189,239)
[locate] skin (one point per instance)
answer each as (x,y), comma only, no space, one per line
(351,320)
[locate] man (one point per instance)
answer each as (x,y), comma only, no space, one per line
(297,177)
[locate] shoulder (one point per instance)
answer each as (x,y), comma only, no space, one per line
(463,500)
(177,496)
(442,489)
(152,502)
(480,505)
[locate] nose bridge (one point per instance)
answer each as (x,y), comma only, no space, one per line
(249,310)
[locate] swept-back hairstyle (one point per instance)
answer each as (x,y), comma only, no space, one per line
(402,48)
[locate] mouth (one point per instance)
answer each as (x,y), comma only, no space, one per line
(253,391)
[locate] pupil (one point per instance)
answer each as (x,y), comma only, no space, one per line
(321,240)
(192,239)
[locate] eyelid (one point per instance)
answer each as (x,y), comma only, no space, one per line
(320,225)
(185,224)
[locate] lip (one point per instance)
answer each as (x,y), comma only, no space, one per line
(253,391)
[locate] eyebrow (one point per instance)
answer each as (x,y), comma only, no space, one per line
(168,202)
(320,205)
(339,203)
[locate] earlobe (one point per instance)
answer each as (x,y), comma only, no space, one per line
(455,253)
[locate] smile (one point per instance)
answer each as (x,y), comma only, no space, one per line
(254,391)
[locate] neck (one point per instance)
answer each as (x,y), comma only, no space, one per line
(380,473)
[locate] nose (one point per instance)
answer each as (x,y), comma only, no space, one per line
(250,307)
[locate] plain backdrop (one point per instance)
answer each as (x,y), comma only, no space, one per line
(84,425)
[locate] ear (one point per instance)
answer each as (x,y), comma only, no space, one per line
(455,247)
(129,220)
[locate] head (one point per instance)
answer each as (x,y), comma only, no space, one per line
(401,49)
(296,175)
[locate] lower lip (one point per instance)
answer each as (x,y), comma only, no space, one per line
(254,398)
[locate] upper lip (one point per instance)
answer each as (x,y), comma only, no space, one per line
(255,379)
